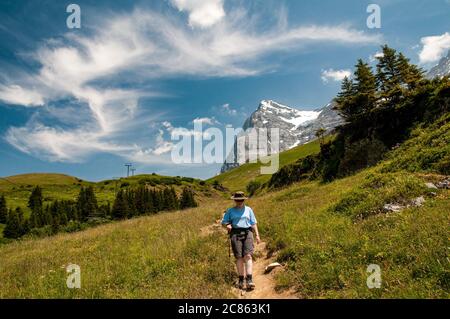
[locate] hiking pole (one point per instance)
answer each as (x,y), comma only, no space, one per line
(229,255)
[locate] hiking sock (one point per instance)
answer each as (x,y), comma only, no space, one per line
(250,283)
(248,265)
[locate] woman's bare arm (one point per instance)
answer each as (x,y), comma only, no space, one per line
(255,230)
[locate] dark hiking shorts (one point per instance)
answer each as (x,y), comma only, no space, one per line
(242,244)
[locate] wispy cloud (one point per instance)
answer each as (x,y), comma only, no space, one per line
(202,13)
(206,120)
(17,95)
(228,109)
(146,46)
(434,47)
(335,75)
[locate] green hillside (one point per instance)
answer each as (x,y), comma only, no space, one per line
(18,188)
(238,178)
(326,252)
(326,235)
(58,187)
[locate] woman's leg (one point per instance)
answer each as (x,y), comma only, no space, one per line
(248,260)
(241,271)
(240,267)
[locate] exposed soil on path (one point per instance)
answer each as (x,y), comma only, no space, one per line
(265,283)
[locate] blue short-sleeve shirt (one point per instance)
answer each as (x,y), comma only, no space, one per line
(239,217)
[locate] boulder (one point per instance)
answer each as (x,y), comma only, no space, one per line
(393,208)
(431,186)
(418,202)
(271,267)
(444,184)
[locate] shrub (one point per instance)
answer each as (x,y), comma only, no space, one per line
(252,187)
(289,174)
(188,179)
(361,154)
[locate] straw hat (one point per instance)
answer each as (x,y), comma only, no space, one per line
(239,196)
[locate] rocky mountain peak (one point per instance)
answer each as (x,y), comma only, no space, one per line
(296,127)
(441,69)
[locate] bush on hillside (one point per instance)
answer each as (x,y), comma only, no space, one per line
(289,174)
(428,150)
(252,187)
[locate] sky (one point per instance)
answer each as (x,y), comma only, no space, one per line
(85,101)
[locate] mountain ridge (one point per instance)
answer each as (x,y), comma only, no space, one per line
(297,127)
(441,69)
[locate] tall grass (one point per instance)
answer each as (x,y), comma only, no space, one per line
(162,256)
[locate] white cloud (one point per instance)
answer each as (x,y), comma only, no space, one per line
(143,46)
(229,110)
(15,94)
(205,120)
(375,56)
(335,75)
(202,13)
(162,146)
(434,48)
(59,145)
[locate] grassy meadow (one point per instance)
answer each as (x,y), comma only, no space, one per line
(17,189)
(326,251)
(325,234)
(160,256)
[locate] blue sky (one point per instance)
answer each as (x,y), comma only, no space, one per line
(85,101)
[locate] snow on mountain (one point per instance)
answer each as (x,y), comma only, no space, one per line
(296,127)
(441,69)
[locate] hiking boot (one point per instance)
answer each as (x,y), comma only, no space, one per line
(241,283)
(250,284)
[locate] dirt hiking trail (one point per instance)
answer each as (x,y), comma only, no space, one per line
(265,283)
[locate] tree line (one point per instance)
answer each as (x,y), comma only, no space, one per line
(72,215)
(380,105)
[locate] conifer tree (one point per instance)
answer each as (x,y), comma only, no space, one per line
(345,98)
(387,69)
(170,199)
(389,77)
(35,200)
(14,224)
(187,199)
(365,88)
(35,203)
(87,205)
(410,74)
(148,202)
(131,199)
(120,208)
(174,199)
(3,210)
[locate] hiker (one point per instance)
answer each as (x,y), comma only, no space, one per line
(241,224)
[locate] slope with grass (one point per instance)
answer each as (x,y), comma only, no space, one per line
(325,235)
(324,249)
(238,178)
(17,189)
